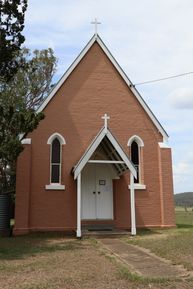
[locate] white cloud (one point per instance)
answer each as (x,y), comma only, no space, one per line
(182,98)
(183,176)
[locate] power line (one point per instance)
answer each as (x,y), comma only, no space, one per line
(165,78)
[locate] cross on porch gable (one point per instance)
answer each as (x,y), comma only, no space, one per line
(105,117)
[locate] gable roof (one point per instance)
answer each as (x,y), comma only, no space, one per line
(96,38)
(94,145)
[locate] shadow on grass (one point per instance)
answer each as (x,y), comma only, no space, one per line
(33,244)
(184,226)
(147,231)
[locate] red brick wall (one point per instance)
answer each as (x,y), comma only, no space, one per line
(23,189)
(167,187)
(92,89)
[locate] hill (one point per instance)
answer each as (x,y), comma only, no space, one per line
(184,199)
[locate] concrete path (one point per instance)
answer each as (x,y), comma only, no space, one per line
(141,261)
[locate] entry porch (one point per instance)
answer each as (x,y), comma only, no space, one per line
(103,162)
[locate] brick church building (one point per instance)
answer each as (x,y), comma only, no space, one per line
(99,158)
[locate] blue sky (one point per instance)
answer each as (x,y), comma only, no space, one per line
(150,39)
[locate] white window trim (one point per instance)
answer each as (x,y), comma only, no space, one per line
(55,186)
(137,139)
(59,136)
(138,186)
(140,143)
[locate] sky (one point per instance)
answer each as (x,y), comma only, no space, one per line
(149,39)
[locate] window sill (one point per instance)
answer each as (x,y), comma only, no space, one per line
(55,187)
(138,187)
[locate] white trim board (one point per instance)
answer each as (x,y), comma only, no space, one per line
(26,141)
(55,187)
(163,145)
(98,40)
(105,162)
(138,186)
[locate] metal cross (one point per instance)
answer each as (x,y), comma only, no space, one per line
(105,117)
(95,22)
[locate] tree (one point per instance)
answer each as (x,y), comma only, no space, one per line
(33,80)
(12,14)
(11,25)
(18,100)
(15,120)
(24,82)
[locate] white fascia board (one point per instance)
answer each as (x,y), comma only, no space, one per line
(88,153)
(163,145)
(122,154)
(66,74)
(132,88)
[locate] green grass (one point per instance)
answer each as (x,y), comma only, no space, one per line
(173,244)
(184,219)
(31,245)
(182,209)
(124,273)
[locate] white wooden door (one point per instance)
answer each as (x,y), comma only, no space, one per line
(104,192)
(88,193)
(97,192)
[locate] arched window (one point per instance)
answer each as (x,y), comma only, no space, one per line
(136,143)
(135,159)
(55,165)
(55,141)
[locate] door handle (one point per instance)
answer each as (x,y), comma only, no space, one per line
(99,193)
(94,193)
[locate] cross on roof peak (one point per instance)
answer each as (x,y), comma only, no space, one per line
(95,22)
(105,117)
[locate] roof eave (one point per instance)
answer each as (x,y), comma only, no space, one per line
(133,89)
(67,73)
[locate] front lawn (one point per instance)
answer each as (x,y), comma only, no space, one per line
(173,244)
(53,261)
